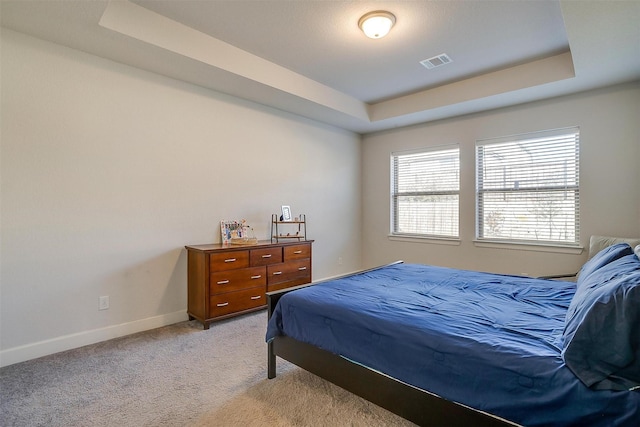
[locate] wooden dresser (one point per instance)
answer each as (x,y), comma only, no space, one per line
(228,280)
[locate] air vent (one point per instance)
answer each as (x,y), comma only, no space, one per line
(436,61)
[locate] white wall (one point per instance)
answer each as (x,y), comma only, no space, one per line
(108,171)
(609,121)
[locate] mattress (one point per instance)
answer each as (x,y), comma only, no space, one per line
(489,341)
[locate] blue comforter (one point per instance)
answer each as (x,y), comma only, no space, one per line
(492,342)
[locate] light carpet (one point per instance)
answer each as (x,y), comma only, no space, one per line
(178,375)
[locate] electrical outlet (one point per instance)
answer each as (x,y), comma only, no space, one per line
(339,260)
(104,303)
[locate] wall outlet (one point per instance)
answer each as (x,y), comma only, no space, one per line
(339,260)
(103,303)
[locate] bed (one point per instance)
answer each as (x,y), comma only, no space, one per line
(441,346)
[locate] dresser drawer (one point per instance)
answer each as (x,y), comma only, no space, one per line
(289,271)
(235,280)
(297,252)
(229,260)
(231,302)
(266,256)
(288,284)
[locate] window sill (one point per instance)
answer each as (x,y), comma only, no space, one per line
(453,241)
(534,247)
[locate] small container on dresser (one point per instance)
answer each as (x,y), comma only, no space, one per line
(228,280)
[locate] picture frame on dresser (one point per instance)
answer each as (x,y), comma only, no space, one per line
(231,229)
(286,213)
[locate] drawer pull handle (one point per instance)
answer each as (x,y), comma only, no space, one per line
(297,252)
(302,268)
(230,260)
(256,297)
(222,304)
(275,273)
(266,256)
(256,277)
(223,282)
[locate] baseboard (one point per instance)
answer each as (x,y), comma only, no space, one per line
(68,342)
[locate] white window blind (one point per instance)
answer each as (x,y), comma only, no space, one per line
(425,189)
(528,188)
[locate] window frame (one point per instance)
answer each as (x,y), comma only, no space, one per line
(524,138)
(395,195)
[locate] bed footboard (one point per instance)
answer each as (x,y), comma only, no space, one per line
(411,403)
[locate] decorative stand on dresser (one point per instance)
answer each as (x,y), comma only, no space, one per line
(299,231)
(228,280)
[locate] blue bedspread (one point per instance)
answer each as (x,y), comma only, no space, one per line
(489,341)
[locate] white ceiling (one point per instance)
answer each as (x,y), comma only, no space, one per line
(310,58)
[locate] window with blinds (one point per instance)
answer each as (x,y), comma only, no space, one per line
(528,188)
(425,188)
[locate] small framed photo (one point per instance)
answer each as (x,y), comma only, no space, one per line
(231,230)
(286,213)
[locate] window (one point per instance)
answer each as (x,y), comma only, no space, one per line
(528,188)
(425,188)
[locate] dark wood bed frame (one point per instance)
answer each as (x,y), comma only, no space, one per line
(409,402)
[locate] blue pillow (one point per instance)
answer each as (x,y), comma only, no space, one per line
(604,257)
(601,339)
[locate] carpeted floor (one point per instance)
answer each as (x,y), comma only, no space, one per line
(178,375)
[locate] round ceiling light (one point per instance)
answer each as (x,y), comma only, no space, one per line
(377,24)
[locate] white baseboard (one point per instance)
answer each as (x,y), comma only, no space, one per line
(68,342)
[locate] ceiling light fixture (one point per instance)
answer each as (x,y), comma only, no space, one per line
(377,24)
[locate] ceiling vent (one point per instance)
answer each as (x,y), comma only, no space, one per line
(436,61)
